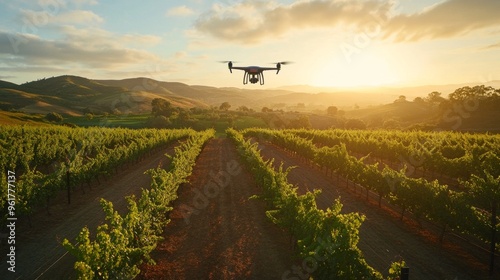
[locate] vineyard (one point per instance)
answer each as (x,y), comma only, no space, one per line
(479,171)
(213,189)
(47,160)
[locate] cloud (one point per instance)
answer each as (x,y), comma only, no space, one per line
(6,77)
(22,49)
(447,19)
(40,18)
(78,17)
(492,46)
(180,54)
(180,11)
(83,2)
(254,21)
(94,37)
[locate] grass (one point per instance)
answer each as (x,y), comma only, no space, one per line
(126,121)
(220,126)
(249,121)
(17,118)
(140,121)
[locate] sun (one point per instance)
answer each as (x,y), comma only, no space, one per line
(363,70)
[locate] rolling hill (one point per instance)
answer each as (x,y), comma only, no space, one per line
(76,96)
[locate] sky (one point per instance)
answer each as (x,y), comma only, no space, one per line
(338,43)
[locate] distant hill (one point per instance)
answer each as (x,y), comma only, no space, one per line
(5,84)
(73,95)
(409,91)
(400,112)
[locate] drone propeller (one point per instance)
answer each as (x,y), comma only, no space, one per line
(283,62)
(229,64)
(278,65)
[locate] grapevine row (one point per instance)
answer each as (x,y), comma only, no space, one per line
(457,155)
(43,158)
(328,237)
(460,211)
(124,242)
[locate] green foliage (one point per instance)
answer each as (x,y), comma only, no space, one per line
(54,117)
(112,254)
(161,107)
(395,270)
(43,155)
(325,236)
(355,124)
(225,106)
(332,110)
(474,157)
(123,243)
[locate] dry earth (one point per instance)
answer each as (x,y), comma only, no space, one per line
(227,236)
(40,254)
(383,237)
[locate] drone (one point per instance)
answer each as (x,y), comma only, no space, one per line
(254,74)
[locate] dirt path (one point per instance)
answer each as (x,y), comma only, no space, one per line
(227,236)
(40,254)
(383,238)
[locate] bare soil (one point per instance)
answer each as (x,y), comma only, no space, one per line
(227,236)
(39,253)
(217,232)
(383,237)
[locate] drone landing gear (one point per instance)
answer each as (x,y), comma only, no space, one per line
(253,78)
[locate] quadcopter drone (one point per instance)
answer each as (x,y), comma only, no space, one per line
(254,74)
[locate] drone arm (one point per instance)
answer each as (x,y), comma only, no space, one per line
(240,68)
(268,68)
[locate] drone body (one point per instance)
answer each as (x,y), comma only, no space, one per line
(254,74)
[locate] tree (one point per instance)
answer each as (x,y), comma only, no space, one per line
(400,99)
(159,122)
(391,124)
(184,114)
(355,124)
(434,98)
(224,106)
(161,107)
(419,100)
(243,109)
(266,110)
(332,110)
(465,93)
(301,122)
(89,116)
(54,117)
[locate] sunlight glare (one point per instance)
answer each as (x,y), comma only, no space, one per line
(365,70)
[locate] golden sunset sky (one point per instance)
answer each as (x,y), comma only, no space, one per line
(336,43)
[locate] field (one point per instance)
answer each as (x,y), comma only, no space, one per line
(249,203)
